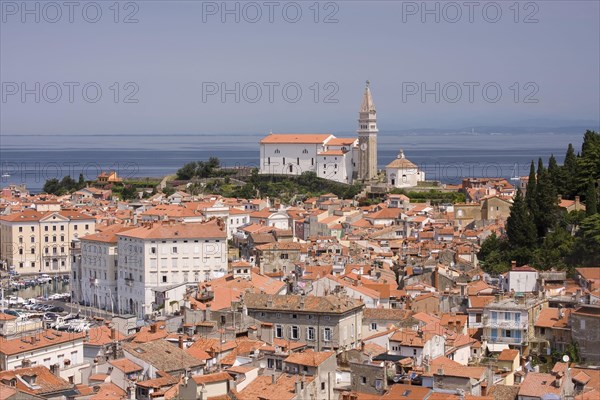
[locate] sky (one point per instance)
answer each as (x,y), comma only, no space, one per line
(194,67)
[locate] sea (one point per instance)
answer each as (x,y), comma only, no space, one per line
(447,157)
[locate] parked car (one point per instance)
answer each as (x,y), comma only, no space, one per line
(56,309)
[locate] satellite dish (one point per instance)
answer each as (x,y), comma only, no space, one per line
(566,358)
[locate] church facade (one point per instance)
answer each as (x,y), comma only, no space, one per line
(345,160)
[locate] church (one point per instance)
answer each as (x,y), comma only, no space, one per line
(345,160)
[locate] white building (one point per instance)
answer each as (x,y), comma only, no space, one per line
(338,159)
(46,348)
(402,173)
(158,255)
(98,272)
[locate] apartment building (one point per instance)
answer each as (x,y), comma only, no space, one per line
(510,322)
(323,323)
(154,256)
(48,348)
(35,242)
(97,268)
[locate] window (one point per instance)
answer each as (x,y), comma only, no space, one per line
(373,326)
(363,380)
(153,250)
(582,323)
(283,160)
(33,239)
(283,256)
(305,151)
(20,229)
(74,227)
(269,160)
(277,315)
(322,386)
(295,316)
(294,332)
(174,250)
(164,279)
(54,228)
(494,316)
(279,331)
(298,160)
(327,334)
(62,227)
(87,226)
(414,352)
(46,228)
(543,331)
(310,333)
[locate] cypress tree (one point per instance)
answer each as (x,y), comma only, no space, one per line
(555,174)
(569,172)
(591,199)
(520,227)
(531,190)
(546,200)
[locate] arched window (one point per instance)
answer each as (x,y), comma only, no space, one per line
(277,151)
(305,151)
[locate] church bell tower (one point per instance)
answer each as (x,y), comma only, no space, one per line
(367,138)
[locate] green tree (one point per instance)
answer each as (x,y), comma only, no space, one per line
(531,190)
(546,199)
(520,229)
(555,249)
(555,173)
(128,193)
(569,172)
(591,199)
(586,250)
(51,186)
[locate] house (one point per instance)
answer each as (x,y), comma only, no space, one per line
(552,331)
(46,348)
(318,365)
(160,355)
(206,386)
(323,323)
(418,345)
(453,378)
(508,363)
(35,382)
(585,331)
(108,177)
(510,321)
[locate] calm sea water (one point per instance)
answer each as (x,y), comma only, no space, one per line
(32,159)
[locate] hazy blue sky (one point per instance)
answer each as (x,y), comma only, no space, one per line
(178,47)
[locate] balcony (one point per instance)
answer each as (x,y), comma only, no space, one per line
(93,281)
(506,340)
(505,324)
(129,282)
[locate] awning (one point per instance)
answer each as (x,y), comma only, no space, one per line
(496,347)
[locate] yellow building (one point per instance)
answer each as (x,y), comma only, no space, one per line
(40,241)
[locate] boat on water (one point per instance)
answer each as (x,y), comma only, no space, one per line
(5,175)
(515,176)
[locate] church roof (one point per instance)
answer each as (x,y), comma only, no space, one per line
(401,162)
(367,103)
(295,138)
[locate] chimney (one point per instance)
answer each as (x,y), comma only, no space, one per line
(273,379)
(513,264)
(181,342)
(298,387)
(55,369)
(576,202)
(113,333)
(153,327)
